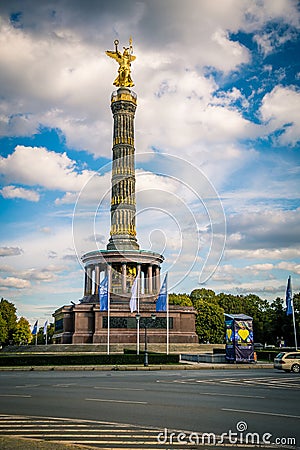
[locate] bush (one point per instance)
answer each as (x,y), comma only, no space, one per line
(96,360)
(267,355)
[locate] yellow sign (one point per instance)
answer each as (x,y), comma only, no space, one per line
(243,334)
(229,333)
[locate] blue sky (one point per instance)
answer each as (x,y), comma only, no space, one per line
(217,143)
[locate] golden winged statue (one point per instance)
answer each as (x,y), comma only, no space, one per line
(124,61)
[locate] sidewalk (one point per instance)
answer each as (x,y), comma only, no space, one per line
(14,443)
(11,443)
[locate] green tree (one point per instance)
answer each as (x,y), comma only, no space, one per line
(40,336)
(209,322)
(203,294)
(232,304)
(278,322)
(253,306)
(3,331)
(8,314)
(259,310)
(22,334)
(288,326)
(180,299)
(50,330)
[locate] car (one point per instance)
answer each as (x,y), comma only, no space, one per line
(288,361)
(258,346)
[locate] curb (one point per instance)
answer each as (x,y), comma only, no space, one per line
(196,366)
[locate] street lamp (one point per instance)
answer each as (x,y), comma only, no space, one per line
(146,325)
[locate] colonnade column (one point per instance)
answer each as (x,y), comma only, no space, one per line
(85,282)
(157,278)
(97,279)
(124,275)
(89,280)
(149,284)
(149,279)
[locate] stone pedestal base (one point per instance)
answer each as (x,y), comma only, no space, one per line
(86,324)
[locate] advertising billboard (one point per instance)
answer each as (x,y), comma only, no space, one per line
(239,338)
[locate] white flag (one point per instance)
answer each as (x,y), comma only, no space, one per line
(45,327)
(133,297)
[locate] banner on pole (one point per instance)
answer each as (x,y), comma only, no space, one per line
(161,302)
(103,294)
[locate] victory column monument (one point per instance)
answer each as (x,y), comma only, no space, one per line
(123,260)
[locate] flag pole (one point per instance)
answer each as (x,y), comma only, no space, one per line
(167,323)
(167,318)
(108,306)
(290,307)
(46,337)
(294,322)
(138,311)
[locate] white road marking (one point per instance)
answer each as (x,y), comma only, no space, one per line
(75,436)
(230,395)
(272,383)
(115,401)
(261,413)
(96,432)
(27,385)
(112,433)
(66,419)
(44,427)
(15,395)
(118,389)
(132,442)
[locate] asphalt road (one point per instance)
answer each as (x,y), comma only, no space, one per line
(115,409)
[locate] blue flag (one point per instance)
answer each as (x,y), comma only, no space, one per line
(288,298)
(103,294)
(35,328)
(161,302)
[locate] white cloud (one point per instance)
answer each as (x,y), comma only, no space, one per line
(38,166)
(271,40)
(44,274)
(68,67)
(45,230)
(281,109)
(289,266)
(236,274)
(16,283)
(233,53)
(10,251)
(258,13)
(263,253)
(61,89)
(269,229)
(18,192)
(54,74)
(257,270)
(185,112)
